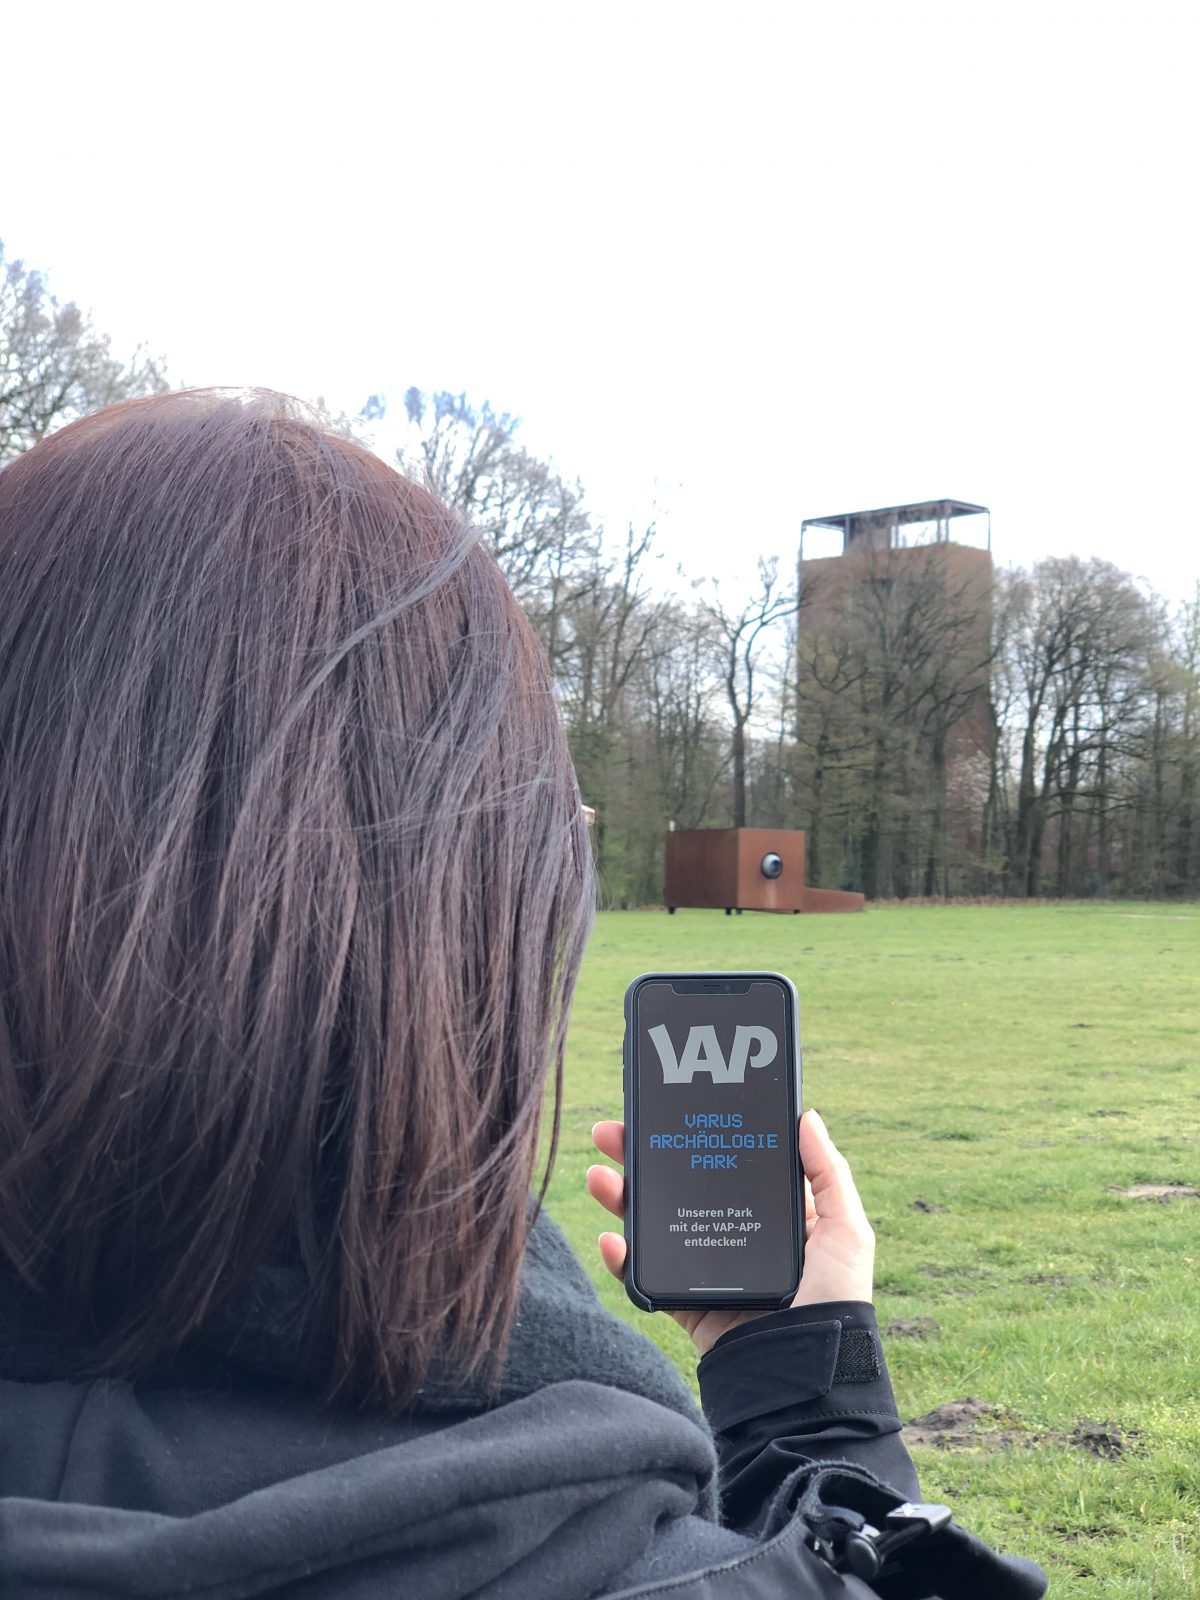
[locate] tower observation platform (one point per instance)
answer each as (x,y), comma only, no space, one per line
(895,527)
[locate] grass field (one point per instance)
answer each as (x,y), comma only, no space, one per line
(994,1074)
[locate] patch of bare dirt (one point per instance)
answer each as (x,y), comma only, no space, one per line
(954,1280)
(949,1426)
(925,1205)
(955,1426)
(1099,1439)
(914,1328)
(1159,1191)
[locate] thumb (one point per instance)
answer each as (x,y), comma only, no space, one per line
(828,1172)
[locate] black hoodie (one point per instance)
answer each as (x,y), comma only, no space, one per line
(587,1470)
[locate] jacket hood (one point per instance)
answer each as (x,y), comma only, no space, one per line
(218,1472)
(258,1342)
(109,1494)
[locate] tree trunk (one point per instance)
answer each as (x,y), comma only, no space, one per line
(1067,793)
(816,822)
(872,842)
(1158,832)
(935,860)
(1186,828)
(1037,829)
(990,826)
(1023,869)
(1062,885)
(739,774)
(1103,845)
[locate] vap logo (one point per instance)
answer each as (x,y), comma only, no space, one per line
(702,1053)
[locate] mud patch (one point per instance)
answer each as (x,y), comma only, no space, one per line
(1050,1280)
(1158,1191)
(914,1328)
(955,1426)
(949,1427)
(1099,1439)
(925,1205)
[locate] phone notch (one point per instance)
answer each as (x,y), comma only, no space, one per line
(711,986)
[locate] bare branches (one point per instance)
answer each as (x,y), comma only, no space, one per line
(738,636)
(54,365)
(533,518)
(1077,639)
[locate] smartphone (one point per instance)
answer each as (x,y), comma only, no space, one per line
(713,1188)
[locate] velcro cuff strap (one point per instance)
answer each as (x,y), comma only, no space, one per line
(857,1357)
(781,1367)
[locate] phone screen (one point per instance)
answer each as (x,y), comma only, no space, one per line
(714,1200)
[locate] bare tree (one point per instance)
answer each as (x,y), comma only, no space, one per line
(603,632)
(1075,637)
(830,739)
(589,603)
(679,694)
(739,636)
(534,520)
(54,365)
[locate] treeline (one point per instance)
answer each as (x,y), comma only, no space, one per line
(1035,735)
(661,691)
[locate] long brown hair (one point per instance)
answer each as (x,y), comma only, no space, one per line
(294,884)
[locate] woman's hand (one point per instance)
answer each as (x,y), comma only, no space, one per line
(839,1250)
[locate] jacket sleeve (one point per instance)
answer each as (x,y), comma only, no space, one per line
(806,1384)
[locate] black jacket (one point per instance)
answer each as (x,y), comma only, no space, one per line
(586,1472)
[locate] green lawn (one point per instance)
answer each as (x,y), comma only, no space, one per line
(1010,1066)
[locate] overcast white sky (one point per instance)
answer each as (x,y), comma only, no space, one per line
(734,265)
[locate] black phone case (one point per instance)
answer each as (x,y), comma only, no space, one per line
(648,1302)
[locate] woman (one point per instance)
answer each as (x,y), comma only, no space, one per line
(294,886)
